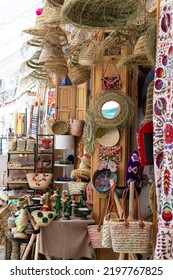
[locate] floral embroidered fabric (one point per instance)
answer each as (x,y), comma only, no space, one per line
(163,132)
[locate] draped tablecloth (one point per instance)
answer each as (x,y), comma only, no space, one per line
(67,239)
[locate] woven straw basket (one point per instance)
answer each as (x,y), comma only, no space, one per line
(76,127)
(76,187)
(130,236)
(39,181)
(106,233)
(60,127)
(49,124)
(133,239)
(4,215)
(43,218)
(79,74)
(95,236)
(89,54)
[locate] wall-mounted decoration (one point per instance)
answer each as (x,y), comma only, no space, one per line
(112,109)
(109,139)
(113,153)
(101,180)
(133,169)
(111,83)
(145,143)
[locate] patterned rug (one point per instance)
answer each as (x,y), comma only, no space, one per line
(163,132)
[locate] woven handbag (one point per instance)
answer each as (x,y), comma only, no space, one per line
(110,213)
(95,236)
(39,181)
(106,232)
(43,218)
(100,234)
(76,187)
(130,236)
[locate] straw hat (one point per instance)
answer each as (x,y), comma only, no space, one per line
(39,29)
(35,41)
(139,55)
(79,174)
(110,139)
(54,19)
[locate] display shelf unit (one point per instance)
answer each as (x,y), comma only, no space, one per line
(64,143)
(41,151)
(11,167)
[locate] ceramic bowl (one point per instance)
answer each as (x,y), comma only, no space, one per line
(84,212)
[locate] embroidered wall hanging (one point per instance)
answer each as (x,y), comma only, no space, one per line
(163,132)
(113,153)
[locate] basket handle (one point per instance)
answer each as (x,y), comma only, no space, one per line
(108,207)
(138,212)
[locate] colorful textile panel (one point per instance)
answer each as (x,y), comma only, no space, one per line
(163,132)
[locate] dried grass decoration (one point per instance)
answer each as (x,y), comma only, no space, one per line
(96,13)
(89,134)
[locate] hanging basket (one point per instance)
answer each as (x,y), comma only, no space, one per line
(96,13)
(75,127)
(60,127)
(90,53)
(79,74)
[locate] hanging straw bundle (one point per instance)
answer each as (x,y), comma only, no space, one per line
(96,13)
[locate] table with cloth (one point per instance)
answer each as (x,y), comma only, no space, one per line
(66,239)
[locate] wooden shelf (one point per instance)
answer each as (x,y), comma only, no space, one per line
(61,182)
(21,152)
(58,164)
(20,168)
(17,182)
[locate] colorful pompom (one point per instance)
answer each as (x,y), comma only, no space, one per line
(39,11)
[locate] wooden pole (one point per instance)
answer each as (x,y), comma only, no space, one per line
(131,212)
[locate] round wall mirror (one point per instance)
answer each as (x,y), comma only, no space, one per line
(110,109)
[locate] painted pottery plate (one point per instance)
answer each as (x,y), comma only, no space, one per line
(101,180)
